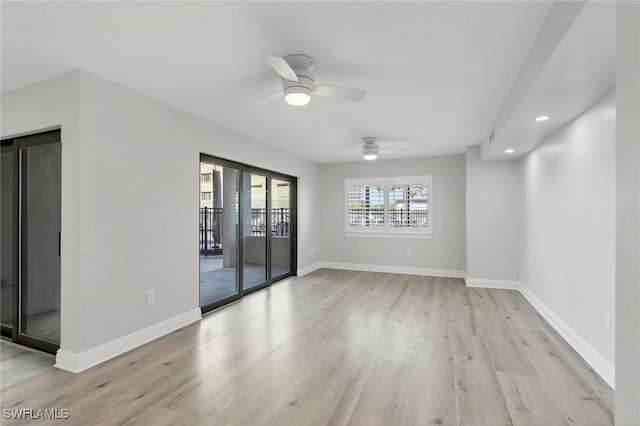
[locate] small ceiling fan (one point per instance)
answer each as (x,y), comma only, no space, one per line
(298,82)
(371,149)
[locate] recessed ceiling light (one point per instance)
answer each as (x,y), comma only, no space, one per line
(509,151)
(542,118)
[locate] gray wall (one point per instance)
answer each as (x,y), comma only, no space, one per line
(628,214)
(567,239)
(493,191)
(447,248)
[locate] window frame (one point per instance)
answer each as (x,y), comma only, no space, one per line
(387,231)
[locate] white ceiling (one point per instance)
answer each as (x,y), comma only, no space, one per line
(436,73)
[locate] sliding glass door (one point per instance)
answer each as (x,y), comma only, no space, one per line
(219,207)
(31,216)
(40,242)
(280,227)
(254,231)
(247,224)
(6,234)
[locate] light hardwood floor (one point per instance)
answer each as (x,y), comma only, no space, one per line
(338,348)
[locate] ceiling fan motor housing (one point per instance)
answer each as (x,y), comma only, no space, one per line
(369,140)
(298,61)
(302,66)
(370,149)
(305,84)
(370,146)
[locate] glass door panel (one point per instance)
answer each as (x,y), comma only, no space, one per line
(6,236)
(280,223)
(40,184)
(255,228)
(219,208)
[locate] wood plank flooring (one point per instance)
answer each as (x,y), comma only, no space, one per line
(333,348)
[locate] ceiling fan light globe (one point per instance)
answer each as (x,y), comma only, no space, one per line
(370,156)
(297,96)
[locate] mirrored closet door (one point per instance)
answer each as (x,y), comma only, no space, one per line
(30,249)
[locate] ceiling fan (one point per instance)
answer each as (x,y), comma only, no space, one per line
(298,82)
(371,149)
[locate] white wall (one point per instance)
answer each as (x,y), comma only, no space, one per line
(628,214)
(492,189)
(130,200)
(567,237)
(446,251)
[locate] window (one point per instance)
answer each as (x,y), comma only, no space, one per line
(206,177)
(389,206)
(408,206)
(366,206)
(206,196)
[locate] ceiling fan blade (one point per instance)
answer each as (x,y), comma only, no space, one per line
(391,151)
(268,98)
(339,92)
(282,68)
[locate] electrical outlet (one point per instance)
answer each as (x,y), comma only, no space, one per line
(607,321)
(151,296)
(524,266)
(408,252)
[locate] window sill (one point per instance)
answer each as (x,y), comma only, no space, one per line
(422,236)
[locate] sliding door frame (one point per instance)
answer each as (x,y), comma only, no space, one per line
(6,146)
(19,273)
(293,226)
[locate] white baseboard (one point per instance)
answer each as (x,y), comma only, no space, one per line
(309,269)
(603,367)
(484,283)
(77,362)
(449,273)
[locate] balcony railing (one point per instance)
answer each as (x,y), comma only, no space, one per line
(397,218)
(364,217)
(211,226)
